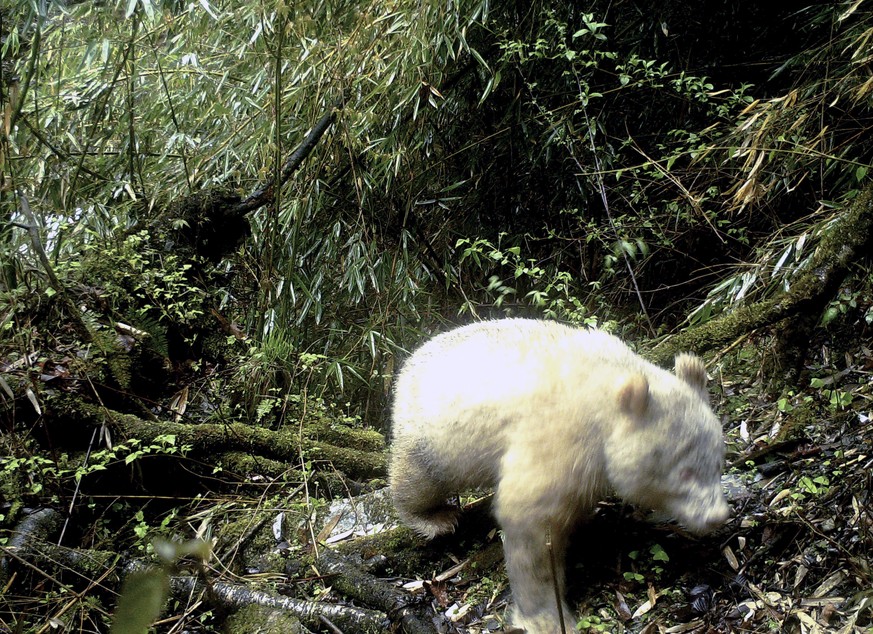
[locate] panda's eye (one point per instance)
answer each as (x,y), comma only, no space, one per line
(686,474)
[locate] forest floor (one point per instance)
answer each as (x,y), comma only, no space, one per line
(794,557)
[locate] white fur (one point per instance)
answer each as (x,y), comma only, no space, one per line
(554,417)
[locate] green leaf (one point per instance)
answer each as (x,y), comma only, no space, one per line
(806,483)
(169,551)
(784,405)
(142,598)
(208,8)
(479,59)
(149,8)
(830,314)
(658,553)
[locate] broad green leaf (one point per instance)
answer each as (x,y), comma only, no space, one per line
(142,599)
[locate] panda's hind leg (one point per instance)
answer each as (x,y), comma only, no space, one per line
(420,495)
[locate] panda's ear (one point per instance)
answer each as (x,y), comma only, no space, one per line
(633,396)
(690,368)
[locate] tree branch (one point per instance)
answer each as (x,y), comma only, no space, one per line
(264,194)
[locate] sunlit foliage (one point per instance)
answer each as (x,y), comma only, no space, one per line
(566,147)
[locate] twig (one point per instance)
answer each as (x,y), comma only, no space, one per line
(35,239)
(606,208)
(559,600)
(76,489)
(66,156)
(54,282)
(327,623)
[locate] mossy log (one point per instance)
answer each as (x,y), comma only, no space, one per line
(357,453)
(845,242)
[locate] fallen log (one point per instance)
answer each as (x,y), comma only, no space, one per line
(846,241)
(357,453)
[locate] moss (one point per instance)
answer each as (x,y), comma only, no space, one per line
(803,416)
(258,619)
(847,237)
(407,552)
(285,444)
(252,534)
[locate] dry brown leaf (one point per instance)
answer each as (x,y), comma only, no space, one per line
(685,627)
(621,607)
(644,607)
(829,584)
(324,533)
(451,572)
(32,398)
(731,558)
